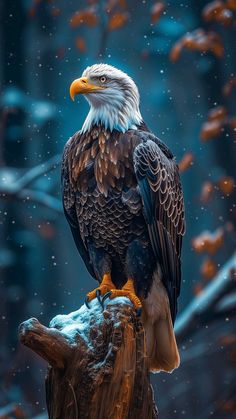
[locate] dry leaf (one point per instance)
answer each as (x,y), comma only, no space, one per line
(156,11)
(231,4)
(55,11)
(117,20)
(227,339)
(228,87)
(210,130)
(112,4)
(229,406)
(83,17)
(232,123)
(80,44)
(207,191)
(208,242)
(198,40)
(217,113)
(226,184)
(47,231)
(198,289)
(186,162)
(218,11)
(208,269)
(217,120)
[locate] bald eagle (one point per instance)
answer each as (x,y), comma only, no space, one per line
(123,200)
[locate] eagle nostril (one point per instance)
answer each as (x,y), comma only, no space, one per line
(84,81)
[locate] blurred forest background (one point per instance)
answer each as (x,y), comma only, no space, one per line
(182,56)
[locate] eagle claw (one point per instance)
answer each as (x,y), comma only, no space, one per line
(139,312)
(86,302)
(107,295)
(98,295)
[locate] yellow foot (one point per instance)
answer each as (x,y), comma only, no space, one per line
(105,286)
(129,292)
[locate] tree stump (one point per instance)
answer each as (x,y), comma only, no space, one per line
(98,368)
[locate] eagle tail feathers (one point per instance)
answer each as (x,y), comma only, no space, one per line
(161,344)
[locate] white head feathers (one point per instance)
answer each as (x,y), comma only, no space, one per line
(117,105)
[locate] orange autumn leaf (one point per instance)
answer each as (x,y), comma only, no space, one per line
(83,17)
(55,11)
(198,289)
(208,242)
(208,269)
(112,4)
(117,20)
(229,406)
(32,12)
(47,231)
(227,339)
(207,191)
(218,11)
(231,4)
(80,44)
(226,184)
(232,123)
(210,130)
(228,87)
(198,40)
(217,113)
(123,4)
(213,127)
(156,11)
(186,161)
(217,122)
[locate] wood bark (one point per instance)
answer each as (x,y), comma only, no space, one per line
(98,368)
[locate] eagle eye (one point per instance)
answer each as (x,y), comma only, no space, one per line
(103,79)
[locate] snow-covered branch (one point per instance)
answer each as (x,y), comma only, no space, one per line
(98,362)
(209,304)
(18,188)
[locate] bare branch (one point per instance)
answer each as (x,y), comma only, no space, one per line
(51,344)
(18,189)
(37,171)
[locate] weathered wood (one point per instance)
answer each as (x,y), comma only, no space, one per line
(98,364)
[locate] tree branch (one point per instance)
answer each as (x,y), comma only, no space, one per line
(205,306)
(50,344)
(99,366)
(18,189)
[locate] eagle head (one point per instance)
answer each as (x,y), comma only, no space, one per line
(113,97)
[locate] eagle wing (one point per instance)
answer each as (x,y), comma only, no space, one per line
(69,206)
(163,207)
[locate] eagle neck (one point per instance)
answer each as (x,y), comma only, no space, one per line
(112,118)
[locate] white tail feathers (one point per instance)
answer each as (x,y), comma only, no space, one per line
(162,349)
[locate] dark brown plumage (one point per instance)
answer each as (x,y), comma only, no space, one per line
(123,200)
(119,187)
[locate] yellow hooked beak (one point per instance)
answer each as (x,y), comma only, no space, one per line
(82,86)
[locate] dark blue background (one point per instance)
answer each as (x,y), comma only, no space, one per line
(41,271)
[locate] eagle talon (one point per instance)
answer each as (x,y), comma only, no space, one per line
(98,295)
(105,297)
(86,302)
(139,311)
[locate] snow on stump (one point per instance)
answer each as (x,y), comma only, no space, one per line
(97,359)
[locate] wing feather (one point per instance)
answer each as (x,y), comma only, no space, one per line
(163,207)
(69,205)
